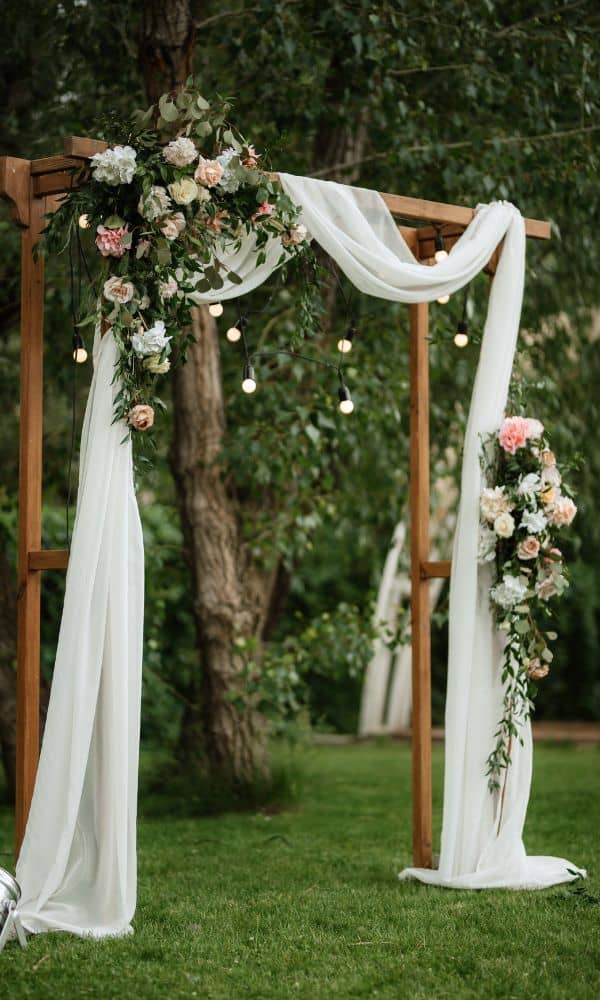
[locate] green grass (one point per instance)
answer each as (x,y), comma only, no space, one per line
(306,903)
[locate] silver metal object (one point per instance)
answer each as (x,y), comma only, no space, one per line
(10,922)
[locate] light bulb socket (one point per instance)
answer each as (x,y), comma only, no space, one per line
(462,326)
(439,242)
(249,373)
(343,393)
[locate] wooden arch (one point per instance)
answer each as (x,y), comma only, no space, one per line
(34,187)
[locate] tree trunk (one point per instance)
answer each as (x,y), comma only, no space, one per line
(8,639)
(231,597)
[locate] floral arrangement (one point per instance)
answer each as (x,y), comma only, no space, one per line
(166,205)
(524,508)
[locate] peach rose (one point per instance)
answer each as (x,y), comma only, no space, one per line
(548,495)
(546,587)
(548,457)
(537,670)
(562,512)
(118,290)
(528,548)
(208,172)
(251,158)
(173,226)
(141,417)
(513,433)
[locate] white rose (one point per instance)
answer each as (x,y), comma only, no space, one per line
(118,290)
(184,191)
(155,366)
(167,289)
(233,172)
(144,301)
(504,525)
(529,484)
(534,521)
(155,203)
(151,341)
(114,166)
(535,428)
(180,152)
(509,592)
(173,226)
(493,502)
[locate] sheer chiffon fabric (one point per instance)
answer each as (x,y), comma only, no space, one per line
(77,866)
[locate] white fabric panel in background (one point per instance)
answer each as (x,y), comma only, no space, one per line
(77,867)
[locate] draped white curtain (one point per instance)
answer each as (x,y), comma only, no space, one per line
(77,865)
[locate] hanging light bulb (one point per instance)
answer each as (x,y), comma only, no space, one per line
(346,404)
(79,351)
(233,334)
(443,299)
(84,221)
(249,381)
(215,309)
(440,250)
(344,344)
(461,338)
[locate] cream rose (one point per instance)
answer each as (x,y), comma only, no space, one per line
(528,548)
(183,192)
(494,502)
(208,172)
(180,152)
(141,417)
(504,525)
(118,290)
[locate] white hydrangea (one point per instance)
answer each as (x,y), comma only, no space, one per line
(115,165)
(529,485)
(510,591)
(486,550)
(180,152)
(151,341)
(534,521)
(233,172)
(155,203)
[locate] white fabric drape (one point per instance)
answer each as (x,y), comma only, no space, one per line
(77,866)
(356,229)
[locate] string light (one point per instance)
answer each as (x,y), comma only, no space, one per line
(84,221)
(344,344)
(461,337)
(215,309)
(249,381)
(346,404)
(79,351)
(233,334)
(440,250)
(443,299)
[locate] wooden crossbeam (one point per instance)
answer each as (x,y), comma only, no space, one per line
(48,559)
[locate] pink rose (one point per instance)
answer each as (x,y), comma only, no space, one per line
(537,670)
(208,172)
(513,434)
(562,512)
(251,159)
(528,548)
(265,209)
(141,417)
(109,241)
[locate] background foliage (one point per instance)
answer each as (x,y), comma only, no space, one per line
(460,103)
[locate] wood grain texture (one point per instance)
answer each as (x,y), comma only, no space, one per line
(48,559)
(30,515)
(420,606)
(15,187)
(435,570)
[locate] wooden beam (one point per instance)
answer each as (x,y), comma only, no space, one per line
(420,607)
(435,570)
(15,187)
(48,559)
(435,211)
(30,515)
(81,148)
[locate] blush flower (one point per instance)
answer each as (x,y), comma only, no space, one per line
(537,670)
(141,417)
(180,152)
(167,289)
(110,243)
(546,587)
(562,512)
(208,172)
(294,236)
(250,160)
(173,226)
(155,203)
(528,548)
(535,428)
(118,290)
(513,434)
(493,502)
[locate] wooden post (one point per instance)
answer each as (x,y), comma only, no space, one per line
(30,515)
(420,610)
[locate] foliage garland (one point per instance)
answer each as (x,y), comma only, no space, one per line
(168,203)
(524,506)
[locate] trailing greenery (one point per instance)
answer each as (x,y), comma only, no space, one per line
(306,903)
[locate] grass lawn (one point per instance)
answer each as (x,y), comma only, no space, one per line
(306,903)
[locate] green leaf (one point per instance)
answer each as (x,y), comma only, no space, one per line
(167,109)
(202,103)
(114,222)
